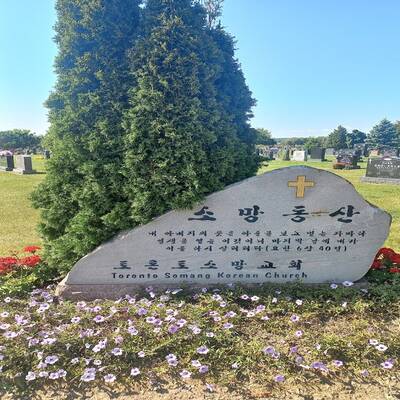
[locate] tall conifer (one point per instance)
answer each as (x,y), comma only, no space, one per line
(82,197)
(188,132)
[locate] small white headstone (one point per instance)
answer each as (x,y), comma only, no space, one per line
(299,155)
(291,224)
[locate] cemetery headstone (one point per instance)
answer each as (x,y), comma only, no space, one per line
(285,154)
(346,161)
(46,154)
(299,155)
(383,170)
(23,165)
(6,163)
(330,151)
(292,224)
(317,154)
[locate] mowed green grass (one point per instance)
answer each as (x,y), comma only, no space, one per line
(18,220)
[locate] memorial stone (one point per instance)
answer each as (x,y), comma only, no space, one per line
(287,225)
(383,170)
(6,163)
(23,165)
(317,154)
(330,151)
(299,155)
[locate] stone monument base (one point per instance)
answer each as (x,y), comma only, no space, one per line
(114,292)
(370,179)
(24,172)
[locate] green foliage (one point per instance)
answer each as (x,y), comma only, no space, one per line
(81,199)
(312,142)
(383,134)
(354,137)
(19,139)
(134,136)
(338,138)
(188,132)
(264,136)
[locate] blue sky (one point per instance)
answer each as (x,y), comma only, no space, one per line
(310,64)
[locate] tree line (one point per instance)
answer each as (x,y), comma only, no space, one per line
(385,133)
(19,139)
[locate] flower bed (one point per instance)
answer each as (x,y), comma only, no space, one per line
(272,337)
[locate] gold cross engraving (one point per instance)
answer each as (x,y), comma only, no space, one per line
(301,184)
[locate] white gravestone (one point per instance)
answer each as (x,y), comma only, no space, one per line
(299,155)
(292,224)
(23,165)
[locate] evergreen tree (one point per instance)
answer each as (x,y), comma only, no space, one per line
(383,134)
(188,132)
(81,198)
(338,138)
(355,136)
(264,136)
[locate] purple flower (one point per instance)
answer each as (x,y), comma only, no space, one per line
(117,351)
(334,286)
(299,333)
(135,371)
(347,283)
(388,364)
(337,363)
(75,320)
(173,329)
(294,318)
(319,365)
(88,376)
(209,387)
(51,360)
(109,378)
(203,369)
(227,325)
(202,350)
(381,347)
(30,376)
(98,318)
(54,375)
(279,378)
(141,354)
(185,374)
(132,330)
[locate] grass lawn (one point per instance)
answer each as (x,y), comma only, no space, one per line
(273,342)
(19,219)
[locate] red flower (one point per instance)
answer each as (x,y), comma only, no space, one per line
(376,265)
(394,270)
(30,261)
(31,249)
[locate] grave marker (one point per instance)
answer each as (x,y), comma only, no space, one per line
(292,224)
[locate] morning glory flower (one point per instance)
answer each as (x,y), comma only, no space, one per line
(279,378)
(388,364)
(185,374)
(203,350)
(109,378)
(51,360)
(30,376)
(135,371)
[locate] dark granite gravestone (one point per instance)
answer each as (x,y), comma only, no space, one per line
(6,163)
(46,154)
(389,152)
(363,147)
(317,154)
(383,170)
(346,161)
